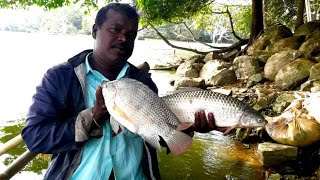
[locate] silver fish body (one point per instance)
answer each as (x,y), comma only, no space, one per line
(227,111)
(136,107)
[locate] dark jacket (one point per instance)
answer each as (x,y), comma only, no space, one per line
(50,126)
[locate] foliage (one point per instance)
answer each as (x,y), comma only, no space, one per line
(167,11)
(70,23)
(281,12)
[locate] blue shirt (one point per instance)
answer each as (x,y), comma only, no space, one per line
(122,153)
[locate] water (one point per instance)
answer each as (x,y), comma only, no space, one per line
(26,57)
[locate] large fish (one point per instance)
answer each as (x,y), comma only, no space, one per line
(136,107)
(228,111)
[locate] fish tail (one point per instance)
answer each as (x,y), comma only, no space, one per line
(178,142)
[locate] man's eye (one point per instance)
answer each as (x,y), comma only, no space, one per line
(115,30)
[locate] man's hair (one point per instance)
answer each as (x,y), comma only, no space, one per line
(126,9)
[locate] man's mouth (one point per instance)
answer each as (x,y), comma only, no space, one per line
(120,48)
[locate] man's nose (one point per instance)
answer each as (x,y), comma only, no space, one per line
(122,37)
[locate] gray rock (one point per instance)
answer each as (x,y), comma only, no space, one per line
(282,102)
(311,46)
(187,69)
(315,72)
(273,154)
(270,36)
(211,56)
(211,68)
(307,28)
(188,82)
(289,43)
(293,74)
(278,60)
(245,66)
(224,77)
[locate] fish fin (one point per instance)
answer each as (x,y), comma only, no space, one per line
(154,141)
(178,142)
(184,125)
(123,119)
(229,129)
(115,126)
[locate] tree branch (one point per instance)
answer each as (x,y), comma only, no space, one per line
(194,38)
(234,46)
(177,47)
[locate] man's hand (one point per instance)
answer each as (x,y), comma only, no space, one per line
(99,111)
(202,124)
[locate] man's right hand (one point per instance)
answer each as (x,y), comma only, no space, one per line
(99,111)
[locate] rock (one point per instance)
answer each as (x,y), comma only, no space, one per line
(315,72)
(187,69)
(230,55)
(293,74)
(307,28)
(198,58)
(262,55)
(262,103)
(290,43)
(311,46)
(315,35)
(189,82)
(273,154)
(282,102)
(278,60)
(211,56)
(211,68)
(270,36)
(224,77)
(255,79)
(220,90)
(242,133)
(245,66)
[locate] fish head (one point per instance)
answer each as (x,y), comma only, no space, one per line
(252,118)
(109,91)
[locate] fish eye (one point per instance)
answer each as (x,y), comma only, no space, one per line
(260,120)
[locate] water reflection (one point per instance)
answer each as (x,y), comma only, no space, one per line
(211,156)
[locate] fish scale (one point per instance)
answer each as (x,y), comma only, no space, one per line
(136,107)
(228,111)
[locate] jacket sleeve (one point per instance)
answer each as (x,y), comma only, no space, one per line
(50,125)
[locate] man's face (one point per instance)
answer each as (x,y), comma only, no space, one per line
(115,39)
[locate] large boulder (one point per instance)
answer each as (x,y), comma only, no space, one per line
(289,43)
(315,72)
(211,68)
(278,60)
(246,66)
(307,28)
(188,69)
(224,77)
(270,36)
(311,46)
(293,74)
(211,56)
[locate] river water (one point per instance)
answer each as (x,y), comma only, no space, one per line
(26,57)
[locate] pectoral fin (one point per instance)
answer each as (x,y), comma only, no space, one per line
(123,119)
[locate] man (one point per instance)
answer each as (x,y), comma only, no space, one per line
(68,117)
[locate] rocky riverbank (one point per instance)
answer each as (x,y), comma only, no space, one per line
(279,76)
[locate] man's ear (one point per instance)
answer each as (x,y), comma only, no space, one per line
(94,31)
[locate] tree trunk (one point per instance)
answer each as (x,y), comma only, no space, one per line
(300,13)
(257,20)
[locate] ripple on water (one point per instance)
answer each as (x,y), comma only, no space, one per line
(212,156)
